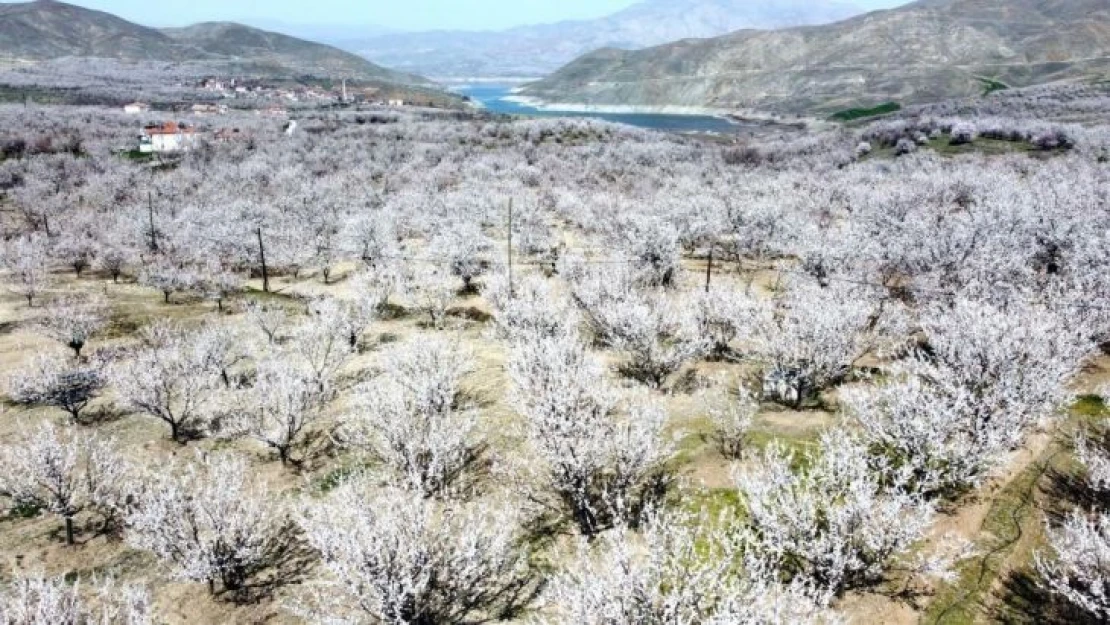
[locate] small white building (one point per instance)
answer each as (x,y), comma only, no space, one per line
(209,109)
(396,102)
(136,108)
(169,137)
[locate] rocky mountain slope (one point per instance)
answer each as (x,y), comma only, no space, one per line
(533,51)
(282,52)
(46,29)
(925,51)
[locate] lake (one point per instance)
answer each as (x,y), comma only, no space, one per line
(492,97)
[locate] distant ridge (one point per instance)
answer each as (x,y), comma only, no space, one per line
(538,50)
(46,29)
(925,51)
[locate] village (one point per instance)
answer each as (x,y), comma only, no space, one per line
(314,94)
(169,137)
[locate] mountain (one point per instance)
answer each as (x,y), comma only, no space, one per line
(322,31)
(925,51)
(281,52)
(46,29)
(532,51)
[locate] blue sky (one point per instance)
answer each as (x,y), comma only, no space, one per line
(395,14)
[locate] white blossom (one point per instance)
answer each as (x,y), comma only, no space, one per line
(212,521)
(416,418)
(59,382)
(168,379)
(72,321)
(394,557)
(1078,568)
(592,460)
(837,523)
(64,473)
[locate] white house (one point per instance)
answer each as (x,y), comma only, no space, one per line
(169,137)
(396,102)
(209,109)
(136,108)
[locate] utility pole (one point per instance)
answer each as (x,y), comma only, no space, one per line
(510,249)
(262,256)
(709,267)
(150,212)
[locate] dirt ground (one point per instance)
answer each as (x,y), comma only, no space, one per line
(37,545)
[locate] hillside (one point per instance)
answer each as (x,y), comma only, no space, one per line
(46,30)
(926,51)
(539,50)
(235,41)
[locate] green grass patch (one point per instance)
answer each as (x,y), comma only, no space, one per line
(1012,514)
(991,85)
(1090,406)
(137,155)
(854,114)
(37,95)
(799,445)
(271,297)
(334,478)
(715,502)
(26,510)
(990,147)
(1012,531)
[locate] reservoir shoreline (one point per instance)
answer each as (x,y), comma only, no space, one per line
(685,120)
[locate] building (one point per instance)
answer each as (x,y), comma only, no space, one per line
(168,137)
(209,109)
(396,102)
(136,108)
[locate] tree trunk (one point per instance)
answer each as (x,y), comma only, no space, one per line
(265,271)
(69,531)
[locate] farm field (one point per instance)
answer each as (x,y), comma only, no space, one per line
(404,365)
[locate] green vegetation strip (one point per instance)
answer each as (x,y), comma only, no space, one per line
(990,86)
(863,113)
(1013,514)
(1009,517)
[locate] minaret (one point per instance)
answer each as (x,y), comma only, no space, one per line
(344,89)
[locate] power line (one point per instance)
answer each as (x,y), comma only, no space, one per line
(553,264)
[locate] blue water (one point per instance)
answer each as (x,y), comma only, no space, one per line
(492,97)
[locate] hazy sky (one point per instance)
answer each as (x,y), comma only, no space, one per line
(396,14)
